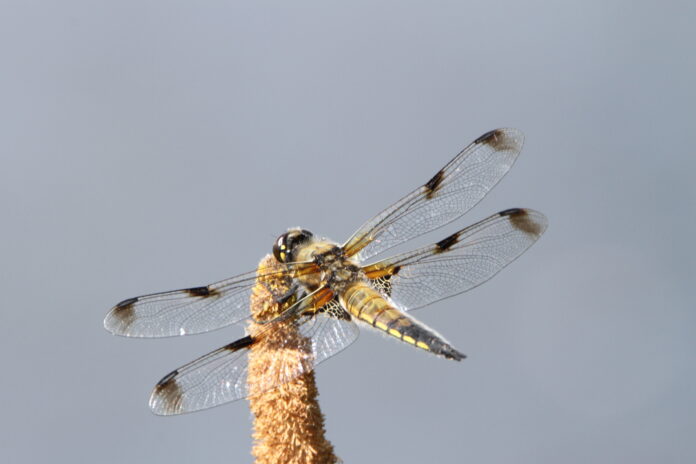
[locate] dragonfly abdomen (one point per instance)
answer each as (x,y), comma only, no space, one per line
(368,305)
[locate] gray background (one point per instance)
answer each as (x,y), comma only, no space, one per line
(154,145)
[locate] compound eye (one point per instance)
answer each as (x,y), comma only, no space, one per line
(287,243)
(280,249)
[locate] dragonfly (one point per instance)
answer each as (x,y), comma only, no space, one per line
(336,288)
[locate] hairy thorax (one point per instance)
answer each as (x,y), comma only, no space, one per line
(336,271)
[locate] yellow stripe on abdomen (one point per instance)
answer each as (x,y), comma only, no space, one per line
(367,304)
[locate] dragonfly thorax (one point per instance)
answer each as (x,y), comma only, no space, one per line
(338,272)
(335,270)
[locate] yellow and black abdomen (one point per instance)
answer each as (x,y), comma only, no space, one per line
(368,305)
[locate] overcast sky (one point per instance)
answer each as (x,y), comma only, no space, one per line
(152,145)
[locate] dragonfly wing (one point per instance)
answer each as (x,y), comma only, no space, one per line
(459,262)
(221,376)
(454,190)
(191,310)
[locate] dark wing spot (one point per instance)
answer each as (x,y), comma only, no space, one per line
(433,184)
(511,212)
(200,291)
(520,219)
(167,396)
(167,379)
(241,343)
(125,312)
(446,243)
(126,303)
(497,139)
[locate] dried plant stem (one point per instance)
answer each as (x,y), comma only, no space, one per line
(288,423)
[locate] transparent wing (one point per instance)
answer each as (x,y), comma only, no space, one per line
(191,310)
(459,262)
(454,190)
(279,352)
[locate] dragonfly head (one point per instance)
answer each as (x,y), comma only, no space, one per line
(286,244)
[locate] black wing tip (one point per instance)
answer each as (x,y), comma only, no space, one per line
(125,304)
(526,220)
(502,139)
(166,398)
(121,317)
(167,379)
